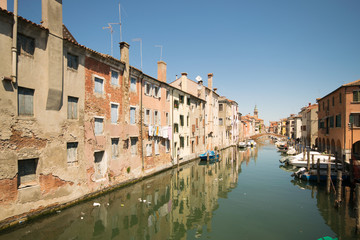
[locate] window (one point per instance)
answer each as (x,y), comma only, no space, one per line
(115,147)
(181,99)
(148,149)
(221,121)
(115,78)
(167,119)
(182,142)
(167,145)
(133,141)
(133,85)
(156,117)
(147,88)
(114,113)
(331,121)
(187,140)
(148,116)
(333,101)
(99,126)
(157,146)
(72,61)
(167,95)
(27,172)
(221,107)
(72,107)
(181,120)
(197,140)
(157,91)
(187,120)
(99,85)
(188,101)
(355,119)
(25,101)
(25,44)
(132,115)
(72,153)
(338,120)
(340,97)
(176,128)
(98,156)
(356,96)
(176,104)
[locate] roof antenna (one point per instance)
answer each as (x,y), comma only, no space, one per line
(111,30)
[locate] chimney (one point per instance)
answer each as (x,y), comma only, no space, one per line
(52,19)
(3,4)
(215,89)
(52,16)
(161,71)
(124,53)
(210,79)
(184,81)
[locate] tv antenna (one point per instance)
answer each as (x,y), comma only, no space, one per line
(161,47)
(111,30)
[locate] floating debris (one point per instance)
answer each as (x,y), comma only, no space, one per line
(95,204)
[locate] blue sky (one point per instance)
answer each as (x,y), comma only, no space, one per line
(277,54)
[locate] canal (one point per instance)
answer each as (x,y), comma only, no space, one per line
(247,195)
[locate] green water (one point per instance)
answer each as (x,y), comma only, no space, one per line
(247,195)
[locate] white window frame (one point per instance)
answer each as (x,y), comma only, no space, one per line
(158,93)
(148,149)
(117,112)
(103,84)
(111,80)
(102,130)
(167,95)
(157,143)
(148,86)
(132,86)
(134,107)
(156,117)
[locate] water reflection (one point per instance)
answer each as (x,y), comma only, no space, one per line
(162,207)
(341,220)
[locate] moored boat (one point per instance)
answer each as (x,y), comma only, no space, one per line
(242,144)
(212,156)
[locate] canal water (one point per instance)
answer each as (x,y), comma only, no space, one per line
(247,195)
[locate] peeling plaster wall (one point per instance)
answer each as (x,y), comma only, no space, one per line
(44,135)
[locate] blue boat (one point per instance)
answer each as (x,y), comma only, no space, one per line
(212,156)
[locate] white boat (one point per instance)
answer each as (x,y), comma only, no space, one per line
(242,144)
(299,162)
(291,151)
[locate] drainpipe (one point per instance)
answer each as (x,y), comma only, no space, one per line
(141,122)
(14,43)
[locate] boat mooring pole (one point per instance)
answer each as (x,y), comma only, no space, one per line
(313,161)
(308,161)
(207,157)
(318,170)
(304,154)
(357,207)
(338,191)
(328,180)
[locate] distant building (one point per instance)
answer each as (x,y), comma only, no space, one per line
(309,128)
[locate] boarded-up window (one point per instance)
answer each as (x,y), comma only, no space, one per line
(72,153)
(148,149)
(99,126)
(72,107)
(114,77)
(132,115)
(27,172)
(133,145)
(114,113)
(25,44)
(157,146)
(25,101)
(99,85)
(115,147)
(133,85)
(72,61)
